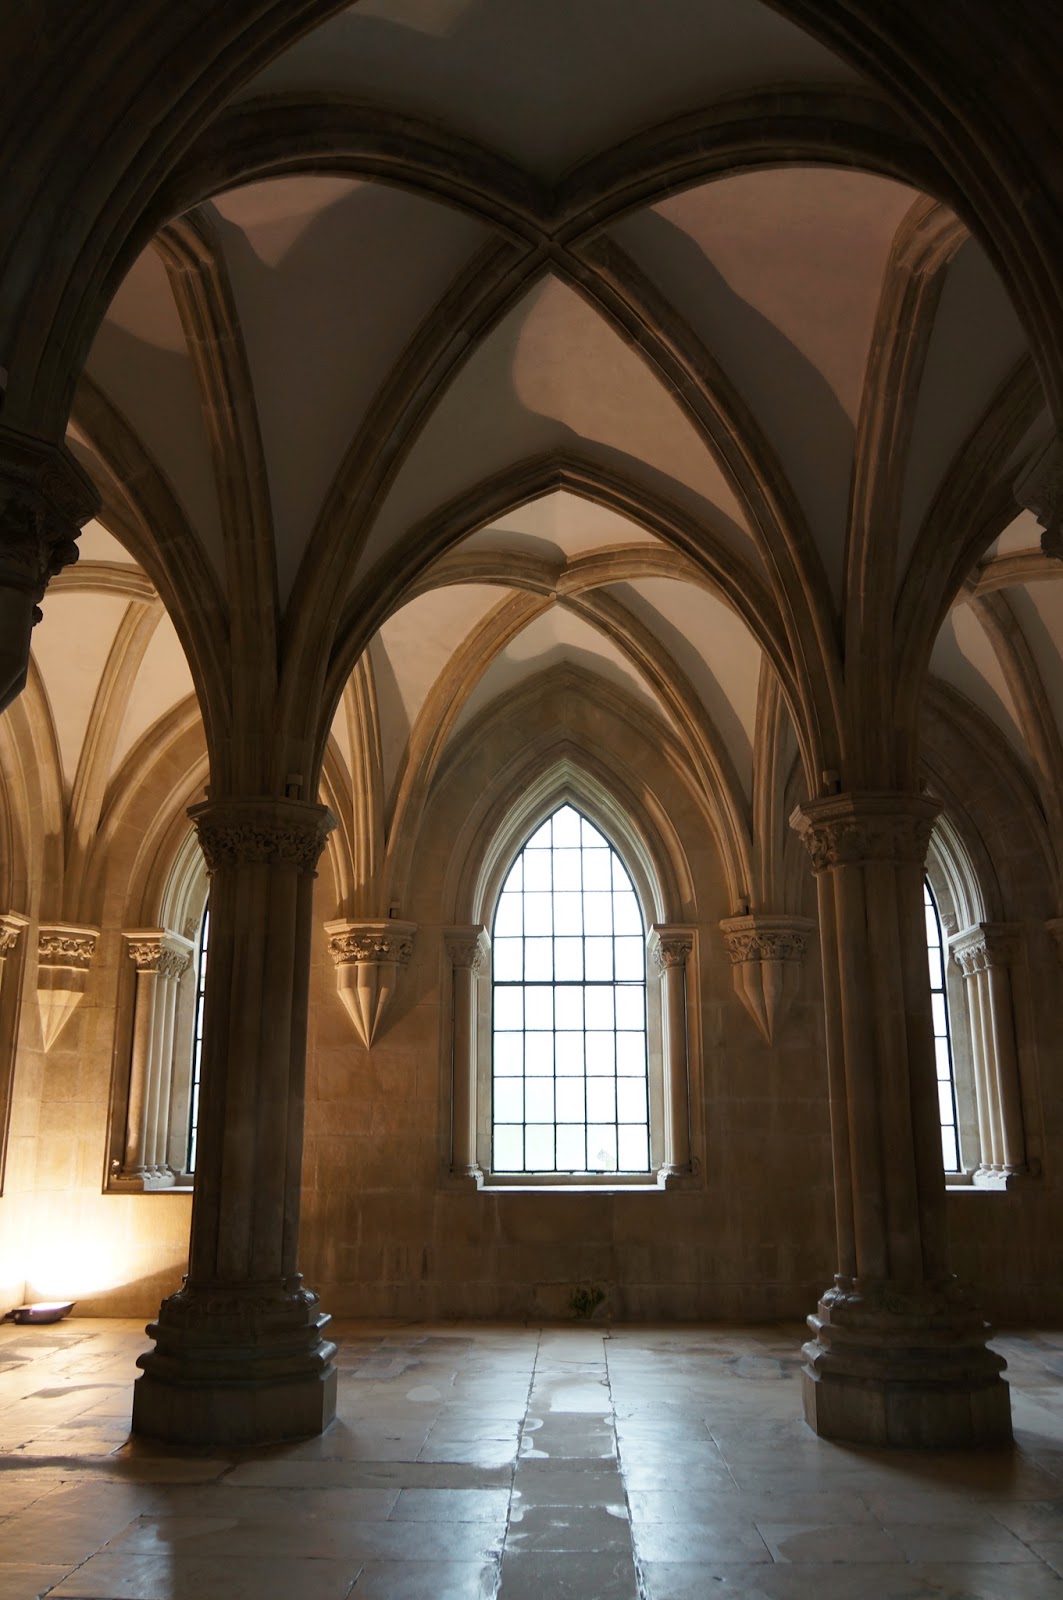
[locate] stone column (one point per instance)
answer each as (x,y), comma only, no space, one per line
(767,957)
(239,1355)
(467,948)
(44,498)
(985,954)
(160,958)
(671,948)
(899,1354)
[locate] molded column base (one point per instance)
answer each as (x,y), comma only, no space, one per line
(904,1366)
(236,1367)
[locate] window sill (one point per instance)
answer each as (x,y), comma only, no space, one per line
(563,1183)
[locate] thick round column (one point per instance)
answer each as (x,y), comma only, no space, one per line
(239,1354)
(899,1354)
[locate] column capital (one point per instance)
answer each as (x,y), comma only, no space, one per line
(11,926)
(760,936)
(370,941)
(261,831)
(987,944)
(467,945)
(1039,488)
(158,950)
(854,829)
(671,945)
(45,496)
(64,944)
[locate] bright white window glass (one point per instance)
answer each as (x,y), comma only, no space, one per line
(197,1036)
(950,1144)
(569,1063)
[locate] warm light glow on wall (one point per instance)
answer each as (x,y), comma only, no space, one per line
(67,1262)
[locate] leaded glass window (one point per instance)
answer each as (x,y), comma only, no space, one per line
(569,1083)
(950,1148)
(197,1036)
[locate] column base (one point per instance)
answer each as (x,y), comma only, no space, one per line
(902,1365)
(236,1367)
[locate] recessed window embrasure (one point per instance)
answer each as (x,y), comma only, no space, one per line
(950,1147)
(569,1080)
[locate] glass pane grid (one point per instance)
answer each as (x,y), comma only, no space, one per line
(950,1144)
(569,1023)
(197,1037)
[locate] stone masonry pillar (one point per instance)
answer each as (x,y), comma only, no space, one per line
(239,1355)
(899,1354)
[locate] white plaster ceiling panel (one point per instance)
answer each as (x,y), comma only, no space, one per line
(976,343)
(550,83)
(413,647)
(715,650)
(331,278)
(1022,534)
(555,638)
(96,543)
(162,682)
(70,648)
(964,658)
(779,274)
(557,527)
(1039,609)
(139,358)
(553,375)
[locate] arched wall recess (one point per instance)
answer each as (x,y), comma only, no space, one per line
(151,1100)
(519,803)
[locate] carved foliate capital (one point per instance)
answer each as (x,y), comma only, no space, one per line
(158,950)
(1039,488)
(11,926)
(62,944)
(854,829)
(761,937)
(671,946)
(467,946)
(44,499)
(364,942)
(988,944)
(261,832)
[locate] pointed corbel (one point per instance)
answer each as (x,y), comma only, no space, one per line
(767,957)
(369,957)
(1039,487)
(64,956)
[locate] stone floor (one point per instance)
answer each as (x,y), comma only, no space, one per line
(470,1461)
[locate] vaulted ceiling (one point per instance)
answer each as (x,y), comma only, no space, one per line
(483,343)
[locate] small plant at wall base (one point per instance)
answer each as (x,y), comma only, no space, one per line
(585,1301)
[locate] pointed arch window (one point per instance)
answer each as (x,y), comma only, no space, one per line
(569,1079)
(950,1145)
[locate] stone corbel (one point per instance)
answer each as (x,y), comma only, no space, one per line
(44,498)
(64,956)
(767,959)
(1039,487)
(369,957)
